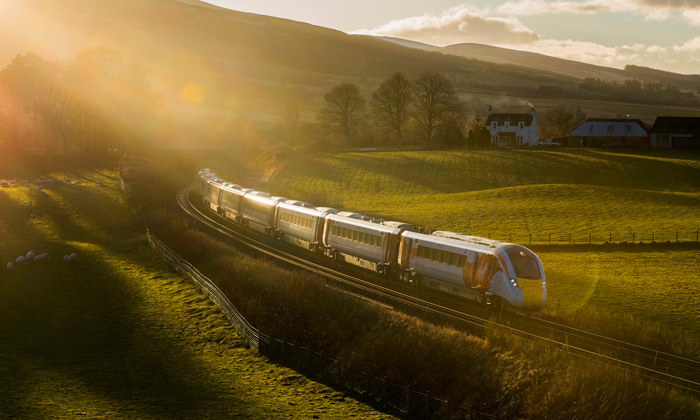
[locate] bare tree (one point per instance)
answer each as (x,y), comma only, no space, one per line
(391,104)
(560,121)
(344,111)
(435,102)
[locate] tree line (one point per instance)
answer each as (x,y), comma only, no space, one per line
(631,90)
(97,101)
(428,108)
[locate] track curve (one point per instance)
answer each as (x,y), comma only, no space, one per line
(675,370)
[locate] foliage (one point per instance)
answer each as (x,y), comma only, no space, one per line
(435,104)
(344,111)
(95,102)
(391,104)
(560,121)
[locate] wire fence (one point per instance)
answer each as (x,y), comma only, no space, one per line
(687,236)
(314,363)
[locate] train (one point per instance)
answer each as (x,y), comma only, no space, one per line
(496,274)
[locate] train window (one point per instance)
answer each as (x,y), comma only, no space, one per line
(362,237)
(524,262)
(355,235)
(429,253)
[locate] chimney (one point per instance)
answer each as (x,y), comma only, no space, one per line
(532,111)
(491,110)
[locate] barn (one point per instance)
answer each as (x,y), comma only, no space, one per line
(676,133)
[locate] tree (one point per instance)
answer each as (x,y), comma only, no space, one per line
(559,121)
(391,103)
(435,102)
(344,111)
(479,135)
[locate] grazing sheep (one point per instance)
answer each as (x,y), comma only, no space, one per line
(9,266)
(66,258)
(73,256)
(13,182)
(4,184)
(20,259)
(100,181)
(41,257)
(29,256)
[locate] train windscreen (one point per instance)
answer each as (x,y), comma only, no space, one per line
(524,262)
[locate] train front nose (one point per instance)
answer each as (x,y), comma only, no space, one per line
(533,294)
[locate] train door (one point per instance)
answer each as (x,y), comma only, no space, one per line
(487,266)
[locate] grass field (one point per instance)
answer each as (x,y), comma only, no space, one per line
(512,194)
(117,334)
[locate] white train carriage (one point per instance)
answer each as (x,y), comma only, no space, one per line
(210,189)
(231,201)
(372,246)
(258,211)
(473,267)
(301,224)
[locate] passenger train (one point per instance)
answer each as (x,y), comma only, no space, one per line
(497,274)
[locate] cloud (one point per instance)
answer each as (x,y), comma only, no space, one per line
(458,25)
(651,9)
(691,46)
(587,52)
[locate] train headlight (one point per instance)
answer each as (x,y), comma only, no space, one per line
(513,282)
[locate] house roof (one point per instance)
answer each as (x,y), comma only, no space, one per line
(611,127)
(513,119)
(677,125)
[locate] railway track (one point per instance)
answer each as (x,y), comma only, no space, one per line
(675,370)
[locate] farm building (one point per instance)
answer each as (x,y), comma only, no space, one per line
(676,133)
(611,132)
(512,130)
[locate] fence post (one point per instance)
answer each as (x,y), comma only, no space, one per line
(427,404)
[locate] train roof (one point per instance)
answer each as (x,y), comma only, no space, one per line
(311,211)
(469,238)
(362,223)
(448,241)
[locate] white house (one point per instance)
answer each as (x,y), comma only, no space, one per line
(512,130)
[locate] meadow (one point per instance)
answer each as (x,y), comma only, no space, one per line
(116,333)
(532,197)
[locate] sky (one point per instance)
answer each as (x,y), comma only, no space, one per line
(663,34)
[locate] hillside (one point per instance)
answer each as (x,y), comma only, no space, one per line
(225,50)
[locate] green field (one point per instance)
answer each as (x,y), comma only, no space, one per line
(116,333)
(512,194)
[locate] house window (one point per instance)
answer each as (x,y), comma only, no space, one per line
(507,124)
(494,124)
(521,125)
(611,128)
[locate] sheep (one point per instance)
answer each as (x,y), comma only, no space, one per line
(9,266)
(73,256)
(20,259)
(13,182)
(29,256)
(41,257)
(4,184)
(100,181)
(66,258)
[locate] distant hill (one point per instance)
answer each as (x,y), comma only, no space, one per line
(556,65)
